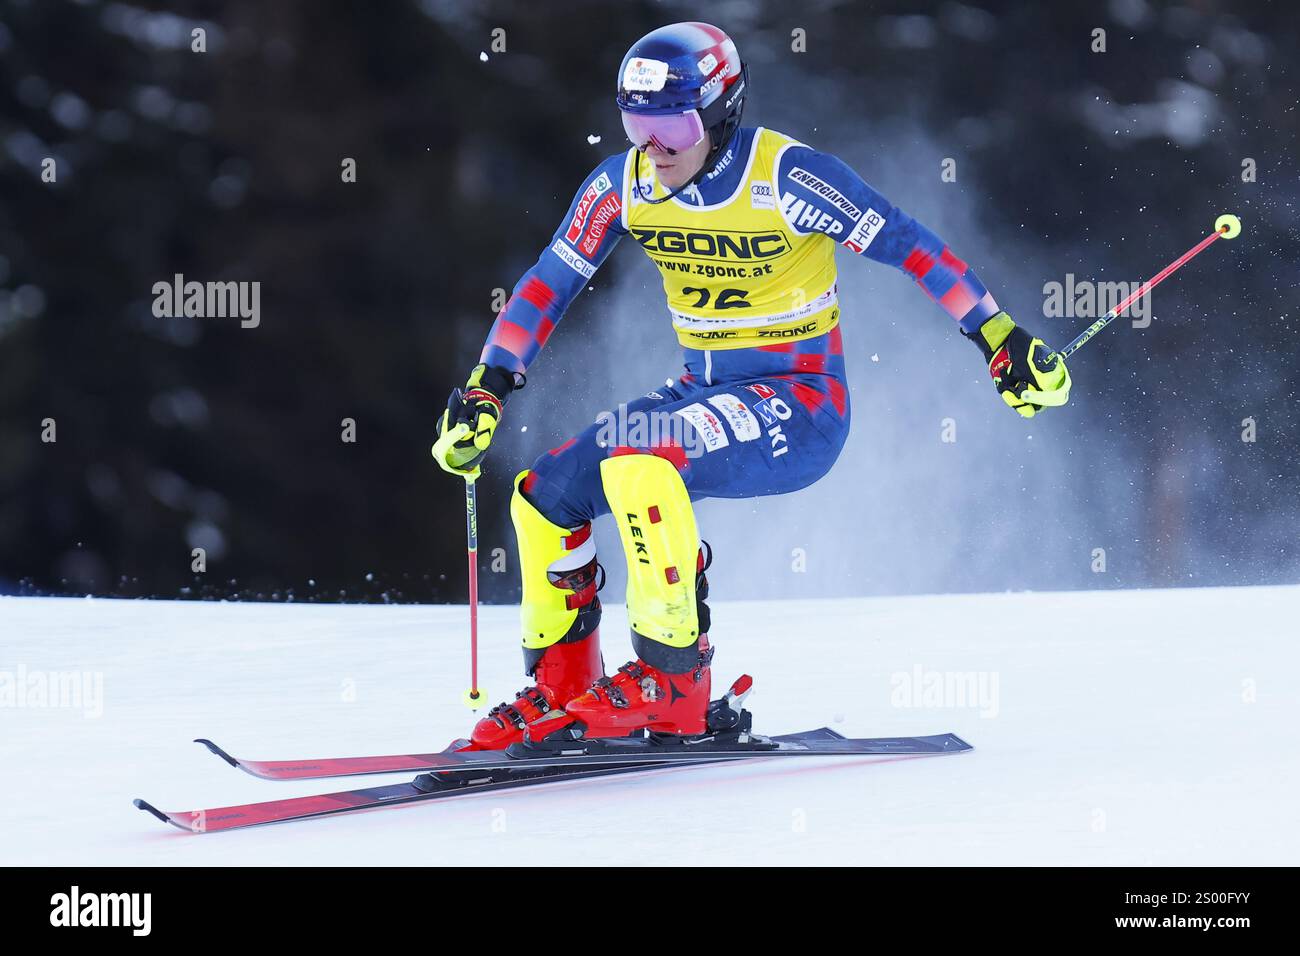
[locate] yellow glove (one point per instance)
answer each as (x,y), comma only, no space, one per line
(466,428)
(1027,373)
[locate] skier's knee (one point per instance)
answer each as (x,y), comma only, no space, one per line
(554,487)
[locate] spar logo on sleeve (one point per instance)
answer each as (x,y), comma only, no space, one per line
(599,186)
(707,425)
(870,224)
(743,423)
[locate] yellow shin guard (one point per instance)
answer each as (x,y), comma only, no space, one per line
(657,525)
(548,610)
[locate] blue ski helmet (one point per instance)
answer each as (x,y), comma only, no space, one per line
(687,70)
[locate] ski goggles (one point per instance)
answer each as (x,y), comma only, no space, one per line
(670,132)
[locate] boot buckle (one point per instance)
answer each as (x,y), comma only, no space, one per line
(537,699)
(706,658)
(632,669)
(508,714)
(613,692)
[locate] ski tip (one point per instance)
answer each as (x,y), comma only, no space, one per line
(146,805)
(164,816)
(218,751)
(956,744)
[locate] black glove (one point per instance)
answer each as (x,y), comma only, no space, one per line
(466,428)
(1027,373)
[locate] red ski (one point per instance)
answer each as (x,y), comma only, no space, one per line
(335,766)
(215,819)
(458,774)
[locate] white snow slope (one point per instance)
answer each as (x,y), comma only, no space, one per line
(1124,727)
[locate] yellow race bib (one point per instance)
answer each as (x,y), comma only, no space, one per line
(734,273)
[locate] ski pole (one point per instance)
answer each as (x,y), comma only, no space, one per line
(475,696)
(1226,226)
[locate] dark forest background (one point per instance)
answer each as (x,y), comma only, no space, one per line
(376,295)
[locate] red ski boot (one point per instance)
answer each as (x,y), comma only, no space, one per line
(643,696)
(564,671)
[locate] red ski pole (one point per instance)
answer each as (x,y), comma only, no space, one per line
(475,696)
(1226,226)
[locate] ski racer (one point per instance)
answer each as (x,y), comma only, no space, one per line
(742,224)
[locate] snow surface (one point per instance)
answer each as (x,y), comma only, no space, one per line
(1127,727)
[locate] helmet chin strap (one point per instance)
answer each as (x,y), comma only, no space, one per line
(719,136)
